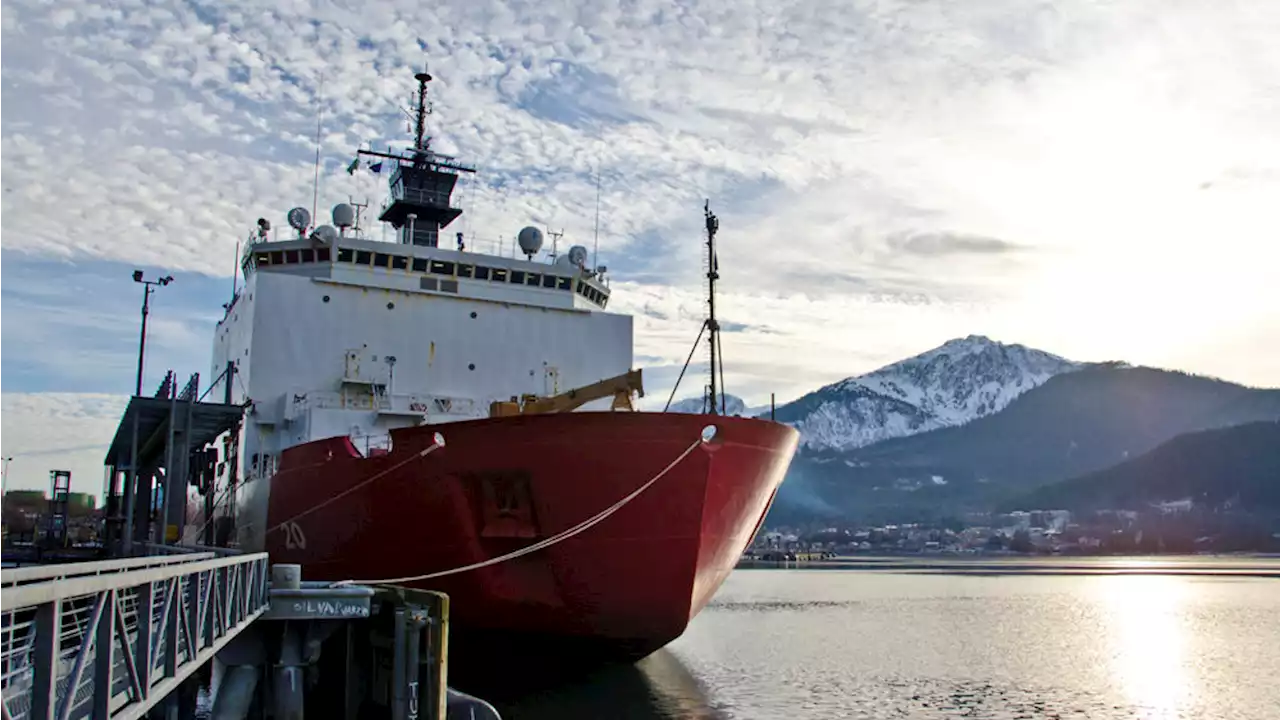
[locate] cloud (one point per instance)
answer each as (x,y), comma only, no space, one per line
(930,244)
(58,431)
(74,326)
(888,175)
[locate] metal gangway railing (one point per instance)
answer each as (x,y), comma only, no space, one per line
(113,638)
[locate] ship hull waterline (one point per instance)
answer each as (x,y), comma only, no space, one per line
(616,592)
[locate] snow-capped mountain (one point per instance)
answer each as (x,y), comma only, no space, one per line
(733,405)
(961,380)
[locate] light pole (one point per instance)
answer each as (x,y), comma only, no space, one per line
(146,298)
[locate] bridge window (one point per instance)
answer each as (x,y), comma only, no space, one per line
(346,255)
(363,257)
(381,260)
(482,272)
(308,255)
(322,255)
(399,262)
(291,257)
(517,277)
(440,267)
(464,271)
(263,258)
(548,281)
(564,283)
(277,257)
(534,279)
(419,264)
(500,275)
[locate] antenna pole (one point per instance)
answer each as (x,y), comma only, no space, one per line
(713,225)
(358,207)
(555,242)
(235,269)
(315,186)
(595,253)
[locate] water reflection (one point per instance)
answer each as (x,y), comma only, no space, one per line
(659,687)
(1148,638)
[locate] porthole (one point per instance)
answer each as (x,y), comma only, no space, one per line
(391,306)
(471,366)
(473,314)
(325,298)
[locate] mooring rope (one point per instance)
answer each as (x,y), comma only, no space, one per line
(554,539)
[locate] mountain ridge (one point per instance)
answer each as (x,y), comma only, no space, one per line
(1073,424)
(952,384)
(1215,468)
(733,405)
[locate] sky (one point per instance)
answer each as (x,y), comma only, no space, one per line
(1097,180)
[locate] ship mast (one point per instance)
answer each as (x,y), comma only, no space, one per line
(420,140)
(421,181)
(713,340)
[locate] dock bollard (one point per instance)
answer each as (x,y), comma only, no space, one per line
(286,576)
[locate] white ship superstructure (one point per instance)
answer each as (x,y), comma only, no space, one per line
(336,334)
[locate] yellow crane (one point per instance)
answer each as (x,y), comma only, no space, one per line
(620,387)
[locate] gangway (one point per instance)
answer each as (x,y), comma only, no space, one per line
(112,638)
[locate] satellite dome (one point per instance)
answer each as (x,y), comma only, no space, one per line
(325,234)
(299,218)
(344,216)
(578,255)
(530,240)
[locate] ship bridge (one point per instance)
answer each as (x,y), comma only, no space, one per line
(433,270)
(420,202)
(421,183)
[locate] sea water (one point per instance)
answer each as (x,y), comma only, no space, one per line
(1188,638)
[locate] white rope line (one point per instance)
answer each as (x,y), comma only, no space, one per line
(355,487)
(557,538)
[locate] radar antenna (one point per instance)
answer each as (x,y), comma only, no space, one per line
(420,139)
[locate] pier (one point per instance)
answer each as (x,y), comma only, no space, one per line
(147,625)
(139,637)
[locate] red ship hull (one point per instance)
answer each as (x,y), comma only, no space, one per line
(623,588)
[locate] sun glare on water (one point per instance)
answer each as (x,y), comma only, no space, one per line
(1145,625)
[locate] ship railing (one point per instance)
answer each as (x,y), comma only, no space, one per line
(410,404)
(112,638)
(371,443)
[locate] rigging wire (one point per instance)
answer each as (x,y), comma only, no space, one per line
(686,366)
(720,351)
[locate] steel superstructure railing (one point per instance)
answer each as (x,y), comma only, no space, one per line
(74,645)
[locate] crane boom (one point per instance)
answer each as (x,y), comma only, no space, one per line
(620,387)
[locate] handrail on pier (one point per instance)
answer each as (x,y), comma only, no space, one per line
(113,638)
